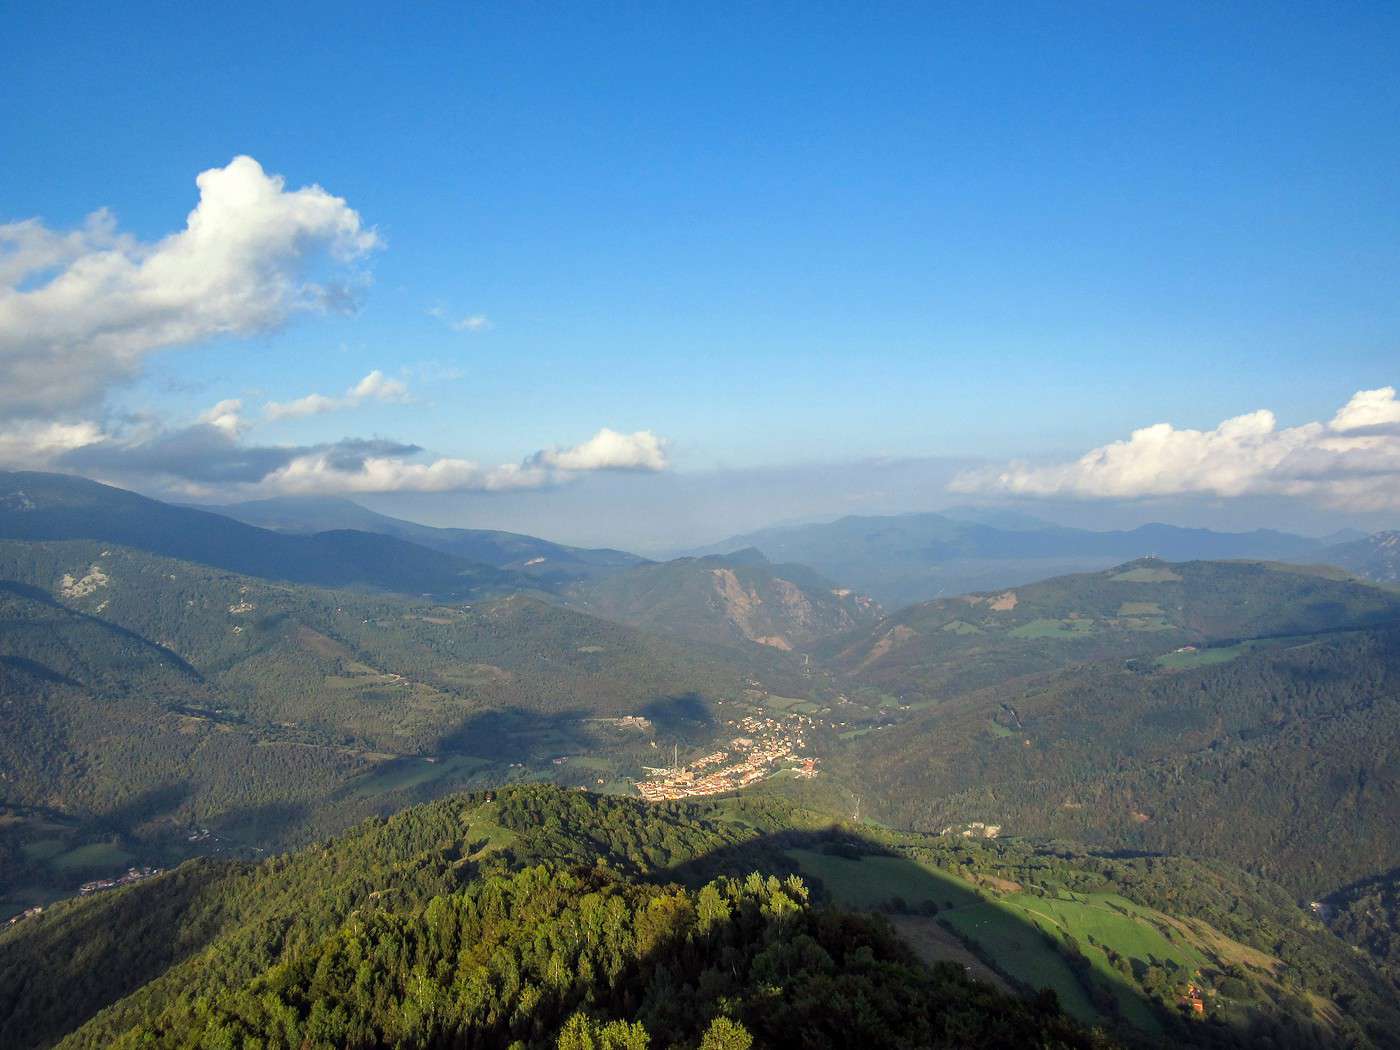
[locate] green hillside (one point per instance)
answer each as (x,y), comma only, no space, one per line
(1279,757)
(594,933)
(481,919)
(942,648)
(740,599)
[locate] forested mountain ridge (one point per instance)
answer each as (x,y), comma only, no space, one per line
(736,599)
(1276,755)
(555,918)
(907,558)
(549,562)
(951,645)
(35,506)
(233,924)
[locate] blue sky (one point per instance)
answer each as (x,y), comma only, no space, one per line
(769,234)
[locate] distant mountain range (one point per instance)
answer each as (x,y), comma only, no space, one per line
(550,562)
(908,558)
(739,599)
(36,506)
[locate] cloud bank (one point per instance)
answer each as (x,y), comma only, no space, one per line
(81,310)
(209,458)
(318,472)
(1350,462)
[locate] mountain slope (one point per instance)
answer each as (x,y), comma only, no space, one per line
(1278,756)
(736,599)
(458,879)
(1376,557)
(61,507)
(483,918)
(539,558)
(913,557)
(145,699)
(952,645)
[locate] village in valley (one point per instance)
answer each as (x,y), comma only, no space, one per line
(763,747)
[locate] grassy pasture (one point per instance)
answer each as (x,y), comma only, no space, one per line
(96,855)
(1140,609)
(1054,629)
(412,773)
(782,703)
(1021,951)
(1145,574)
(961,627)
(1202,657)
(43,849)
(1023,933)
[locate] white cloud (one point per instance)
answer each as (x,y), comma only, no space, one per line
(82,310)
(326,471)
(373,387)
(35,444)
(1368,410)
(1352,461)
(310,405)
(466,323)
(226,416)
(609,450)
(379,388)
(208,458)
(319,474)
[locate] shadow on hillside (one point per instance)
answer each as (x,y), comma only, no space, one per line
(947,918)
(518,734)
(680,715)
(151,804)
(34,669)
(515,734)
(268,826)
(32,593)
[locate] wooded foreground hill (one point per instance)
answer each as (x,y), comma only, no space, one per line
(536,917)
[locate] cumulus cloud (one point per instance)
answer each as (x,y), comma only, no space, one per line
(226,416)
(1353,461)
(373,387)
(1369,412)
(81,310)
(608,450)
